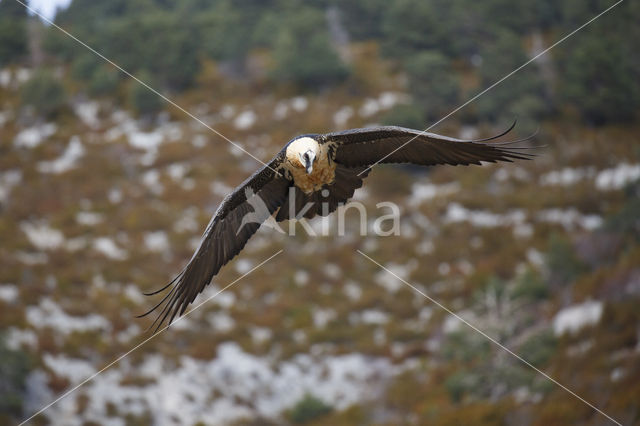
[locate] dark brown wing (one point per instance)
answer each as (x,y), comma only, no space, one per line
(238,217)
(390,144)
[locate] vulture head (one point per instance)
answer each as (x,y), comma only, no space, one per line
(303,152)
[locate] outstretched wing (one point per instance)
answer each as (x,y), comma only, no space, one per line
(391,144)
(238,217)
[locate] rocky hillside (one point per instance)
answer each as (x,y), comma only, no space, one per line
(98,206)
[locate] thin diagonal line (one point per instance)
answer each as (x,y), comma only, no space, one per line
(97,373)
(493,340)
(422,133)
(166,99)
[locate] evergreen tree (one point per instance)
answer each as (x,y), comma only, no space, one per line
(44,93)
(13,32)
(521,95)
(433,84)
(303,54)
(144,101)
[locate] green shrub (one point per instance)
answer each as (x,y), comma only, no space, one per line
(564,266)
(14,368)
(411,116)
(539,348)
(458,384)
(303,57)
(143,100)
(410,26)
(13,32)
(600,74)
(44,93)
(433,83)
(466,346)
(223,30)
(308,408)
(104,81)
(530,286)
(626,221)
(522,96)
(84,66)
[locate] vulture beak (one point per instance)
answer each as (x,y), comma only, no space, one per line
(308,158)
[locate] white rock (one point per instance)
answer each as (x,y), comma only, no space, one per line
(49,314)
(4,117)
(187,222)
(33,136)
(352,291)
(114,195)
(321,317)
(178,171)
(482,218)
(89,218)
(387,100)
(157,241)
(342,116)
(227,111)
(281,111)
(333,271)
(245,120)
(32,258)
(233,386)
(128,333)
(75,150)
(451,324)
(23,75)
(389,281)
(72,369)
(421,192)
(16,338)
(199,141)
(369,108)
(108,247)
(8,180)
(220,189)
(425,314)
(134,294)
(88,113)
(151,179)
(42,236)
(243,265)
(617,177)
(566,177)
(299,103)
(145,140)
(374,316)
(260,335)
(5,78)
(301,277)
(573,318)
(570,218)
(8,292)
(225,300)
(75,244)
(221,321)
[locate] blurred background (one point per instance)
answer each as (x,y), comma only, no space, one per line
(105,190)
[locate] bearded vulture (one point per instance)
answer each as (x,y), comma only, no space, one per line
(311,171)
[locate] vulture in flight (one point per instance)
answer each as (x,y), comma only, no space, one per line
(313,172)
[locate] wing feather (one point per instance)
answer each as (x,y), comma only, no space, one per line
(225,236)
(391,144)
